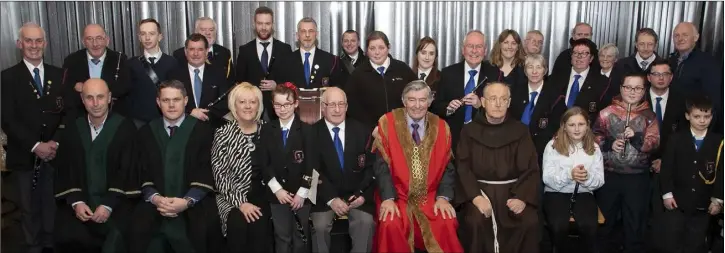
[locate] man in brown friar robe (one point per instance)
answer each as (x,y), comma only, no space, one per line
(499,177)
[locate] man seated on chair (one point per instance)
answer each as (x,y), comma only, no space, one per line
(415,175)
(345,166)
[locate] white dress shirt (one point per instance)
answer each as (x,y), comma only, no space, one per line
(157,56)
(606,73)
(167,124)
(663,103)
(648,60)
(426,72)
(273,183)
(192,77)
(260,48)
(42,80)
(341,134)
(581,81)
(557,169)
(467,76)
(353,57)
(386,64)
(538,92)
(311,59)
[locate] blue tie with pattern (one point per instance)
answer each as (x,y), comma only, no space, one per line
(338,147)
(526,117)
(307,68)
(658,110)
(381,70)
(573,92)
(38,82)
(197,88)
(285,132)
(469,89)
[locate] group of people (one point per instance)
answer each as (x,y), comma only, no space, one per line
(194,152)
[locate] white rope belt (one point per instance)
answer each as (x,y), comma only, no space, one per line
(493,215)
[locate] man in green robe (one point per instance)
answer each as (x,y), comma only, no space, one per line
(177,212)
(92,165)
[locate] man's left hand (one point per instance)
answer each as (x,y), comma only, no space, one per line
(100,215)
(444,207)
(515,205)
(714,208)
(174,206)
(267,85)
(472,99)
(357,202)
(297,202)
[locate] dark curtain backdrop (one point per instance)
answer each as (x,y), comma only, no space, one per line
(403,22)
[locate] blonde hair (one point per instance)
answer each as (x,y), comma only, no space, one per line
(536,58)
(238,89)
(561,139)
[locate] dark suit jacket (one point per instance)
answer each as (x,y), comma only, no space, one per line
(451,86)
(356,178)
(563,62)
(115,72)
(324,66)
(624,67)
(544,122)
(433,78)
(673,122)
(221,58)
(370,96)
(249,68)
(700,73)
(346,60)
(591,92)
(141,101)
(213,86)
(517,76)
(289,165)
(25,112)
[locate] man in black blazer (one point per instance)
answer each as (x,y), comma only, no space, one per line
(460,86)
(582,85)
(563,61)
(639,62)
(147,72)
(258,61)
(217,56)
(204,84)
(352,55)
(344,162)
(310,67)
(33,101)
(96,60)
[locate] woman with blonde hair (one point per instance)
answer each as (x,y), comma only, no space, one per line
(572,169)
(243,210)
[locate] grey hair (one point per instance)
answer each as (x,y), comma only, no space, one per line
(609,46)
(308,20)
(472,32)
(532,58)
(573,30)
(417,85)
(29,25)
(196,23)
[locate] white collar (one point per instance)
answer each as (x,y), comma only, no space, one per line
(386,64)
(312,51)
(211,48)
(664,96)
(330,126)
(468,68)
(259,41)
(192,68)
(157,55)
(698,137)
(583,74)
(102,58)
(648,60)
(426,72)
(287,126)
(167,124)
(354,56)
(90,123)
(538,90)
(31,66)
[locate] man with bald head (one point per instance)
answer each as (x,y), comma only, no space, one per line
(32,109)
(93,161)
(344,162)
(217,56)
(696,72)
(499,177)
(456,100)
(563,61)
(96,60)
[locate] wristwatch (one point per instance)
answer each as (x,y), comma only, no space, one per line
(190,202)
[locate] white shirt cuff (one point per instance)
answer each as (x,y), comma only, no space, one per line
(76,203)
(33,150)
(717,200)
(667,196)
(274,185)
(329,203)
(302,192)
(107,208)
(152,197)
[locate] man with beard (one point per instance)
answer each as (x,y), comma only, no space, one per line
(96,61)
(32,105)
(147,72)
(499,179)
(564,60)
(217,56)
(310,67)
(257,60)
(205,83)
(93,161)
(581,84)
(534,42)
(415,175)
(352,55)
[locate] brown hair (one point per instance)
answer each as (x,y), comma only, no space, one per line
(263,10)
(196,37)
(561,139)
(286,89)
(422,43)
(151,20)
(378,35)
(497,57)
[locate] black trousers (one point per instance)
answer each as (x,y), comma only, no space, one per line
(585,214)
(248,237)
(37,207)
(626,196)
(683,231)
(287,238)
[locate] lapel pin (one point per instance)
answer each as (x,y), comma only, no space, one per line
(50,82)
(317,66)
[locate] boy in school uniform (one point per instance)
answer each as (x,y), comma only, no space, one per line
(691,184)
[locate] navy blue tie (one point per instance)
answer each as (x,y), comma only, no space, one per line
(469,89)
(526,117)
(698,144)
(285,132)
(381,70)
(265,57)
(38,82)
(658,110)
(307,68)
(338,147)
(574,92)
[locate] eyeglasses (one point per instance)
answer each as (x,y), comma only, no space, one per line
(285,106)
(471,46)
(630,89)
(660,74)
(335,105)
(494,100)
(97,38)
(580,54)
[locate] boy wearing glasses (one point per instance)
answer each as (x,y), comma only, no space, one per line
(628,133)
